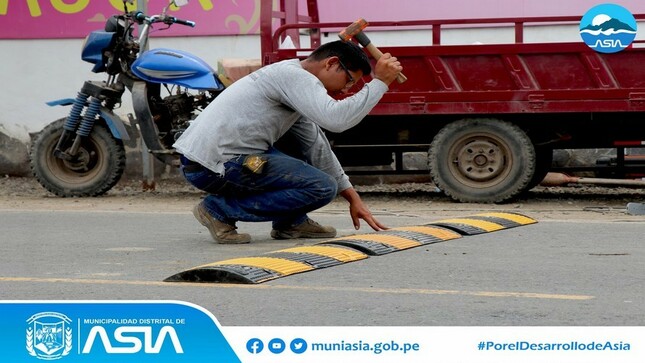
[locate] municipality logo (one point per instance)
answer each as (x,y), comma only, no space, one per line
(49,335)
(608,28)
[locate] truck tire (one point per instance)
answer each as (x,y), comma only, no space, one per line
(543,163)
(99,167)
(481,160)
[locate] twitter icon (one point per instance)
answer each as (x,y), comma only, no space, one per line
(298,345)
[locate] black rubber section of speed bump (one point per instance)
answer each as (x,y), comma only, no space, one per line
(465,226)
(366,246)
(315,261)
(273,265)
(235,274)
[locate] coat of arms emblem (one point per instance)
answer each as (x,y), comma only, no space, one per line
(49,335)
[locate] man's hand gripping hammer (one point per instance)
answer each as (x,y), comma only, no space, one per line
(355,30)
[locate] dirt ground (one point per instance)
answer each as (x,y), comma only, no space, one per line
(575,201)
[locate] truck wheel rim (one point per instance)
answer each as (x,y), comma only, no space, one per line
(480,161)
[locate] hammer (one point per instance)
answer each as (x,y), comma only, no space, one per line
(355,30)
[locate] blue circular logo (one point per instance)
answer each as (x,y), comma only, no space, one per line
(276,346)
(254,346)
(608,28)
(298,345)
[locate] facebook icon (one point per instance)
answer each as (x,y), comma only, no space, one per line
(254,345)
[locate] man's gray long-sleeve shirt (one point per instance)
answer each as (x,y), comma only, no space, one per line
(254,112)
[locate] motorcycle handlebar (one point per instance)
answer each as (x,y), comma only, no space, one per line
(141,18)
(174,20)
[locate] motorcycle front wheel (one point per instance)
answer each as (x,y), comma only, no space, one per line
(98,166)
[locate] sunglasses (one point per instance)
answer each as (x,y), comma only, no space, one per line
(349,75)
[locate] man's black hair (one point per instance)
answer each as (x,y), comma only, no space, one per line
(349,53)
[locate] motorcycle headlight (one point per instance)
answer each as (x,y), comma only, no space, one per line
(115,24)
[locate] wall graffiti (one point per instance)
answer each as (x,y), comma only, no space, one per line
(30,19)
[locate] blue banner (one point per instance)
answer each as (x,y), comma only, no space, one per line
(174,331)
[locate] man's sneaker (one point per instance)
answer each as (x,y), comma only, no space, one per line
(307,229)
(221,232)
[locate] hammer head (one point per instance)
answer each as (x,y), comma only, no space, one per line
(352,30)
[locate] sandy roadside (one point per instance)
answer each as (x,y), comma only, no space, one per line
(175,196)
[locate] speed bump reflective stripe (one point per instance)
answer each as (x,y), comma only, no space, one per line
(341,250)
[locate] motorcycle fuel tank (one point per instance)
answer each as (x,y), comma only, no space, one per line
(163,65)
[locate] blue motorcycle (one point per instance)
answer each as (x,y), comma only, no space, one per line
(83,154)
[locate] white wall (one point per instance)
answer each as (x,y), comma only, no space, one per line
(33,72)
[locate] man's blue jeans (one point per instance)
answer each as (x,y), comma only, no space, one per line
(283,192)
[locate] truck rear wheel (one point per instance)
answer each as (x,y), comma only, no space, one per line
(481,160)
(543,162)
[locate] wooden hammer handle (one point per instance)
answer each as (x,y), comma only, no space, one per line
(377,54)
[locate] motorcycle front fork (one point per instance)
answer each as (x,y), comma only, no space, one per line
(78,125)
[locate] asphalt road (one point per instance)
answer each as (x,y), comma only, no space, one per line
(555,272)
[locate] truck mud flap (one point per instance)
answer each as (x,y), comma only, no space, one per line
(337,251)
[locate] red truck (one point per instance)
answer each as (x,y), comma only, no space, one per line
(489,116)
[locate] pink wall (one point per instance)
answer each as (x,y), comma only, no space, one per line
(75,18)
(386,10)
(23,19)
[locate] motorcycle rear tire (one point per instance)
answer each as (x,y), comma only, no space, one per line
(98,167)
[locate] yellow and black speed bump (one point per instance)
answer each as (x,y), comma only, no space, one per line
(485,222)
(396,239)
(253,270)
(508,220)
(273,265)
